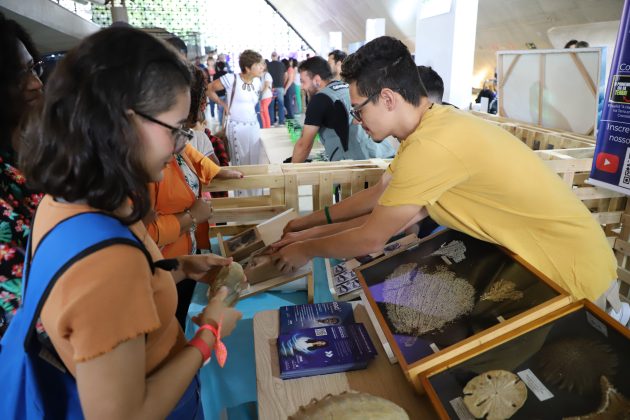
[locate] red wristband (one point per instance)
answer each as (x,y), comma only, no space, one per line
(219,348)
(203,347)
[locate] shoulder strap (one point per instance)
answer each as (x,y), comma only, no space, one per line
(68,242)
(233,91)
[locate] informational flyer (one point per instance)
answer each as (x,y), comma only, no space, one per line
(611,162)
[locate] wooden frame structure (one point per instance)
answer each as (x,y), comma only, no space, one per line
(568,154)
(413,371)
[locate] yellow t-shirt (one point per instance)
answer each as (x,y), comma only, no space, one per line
(480,180)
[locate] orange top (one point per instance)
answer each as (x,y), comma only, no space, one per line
(108,297)
(173,195)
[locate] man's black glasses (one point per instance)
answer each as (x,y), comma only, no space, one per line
(181,135)
(356,111)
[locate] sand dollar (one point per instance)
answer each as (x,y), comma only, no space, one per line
(496,394)
(351,406)
(232,277)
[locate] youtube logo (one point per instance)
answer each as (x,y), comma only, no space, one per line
(607,162)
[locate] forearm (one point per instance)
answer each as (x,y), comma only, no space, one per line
(185,222)
(116,386)
(301,150)
(333,228)
(347,244)
(357,205)
(212,95)
(165,387)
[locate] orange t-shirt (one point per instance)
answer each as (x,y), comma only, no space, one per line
(173,195)
(108,297)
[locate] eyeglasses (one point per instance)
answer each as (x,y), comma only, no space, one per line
(36,69)
(180,135)
(356,111)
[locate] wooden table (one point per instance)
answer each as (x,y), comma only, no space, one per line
(278,399)
(277,144)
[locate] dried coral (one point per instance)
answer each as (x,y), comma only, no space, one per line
(455,250)
(502,290)
(418,302)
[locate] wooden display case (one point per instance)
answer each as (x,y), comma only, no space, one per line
(560,357)
(457,293)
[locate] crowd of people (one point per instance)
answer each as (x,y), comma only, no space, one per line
(104,224)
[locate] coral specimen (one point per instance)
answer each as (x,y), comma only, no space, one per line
(502,290)
(455,250)
(418,302)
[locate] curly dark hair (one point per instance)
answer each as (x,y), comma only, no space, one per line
(197,95)
(86,146)
(384,62)
(248,58)
(12,106)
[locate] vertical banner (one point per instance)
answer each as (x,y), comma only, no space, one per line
(611,162)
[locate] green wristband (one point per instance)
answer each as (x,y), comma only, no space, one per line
(327,213)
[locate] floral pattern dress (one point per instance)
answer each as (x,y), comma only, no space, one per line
(17,207)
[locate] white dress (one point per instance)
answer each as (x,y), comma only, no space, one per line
(243,131)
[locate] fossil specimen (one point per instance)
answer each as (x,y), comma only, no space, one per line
(242,240)
(349,406)
(575,364)
(496,394)
(232,277)
(455,250)
(502,290)
(418,302)
(614,405)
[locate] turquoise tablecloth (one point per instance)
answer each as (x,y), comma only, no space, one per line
(234,386)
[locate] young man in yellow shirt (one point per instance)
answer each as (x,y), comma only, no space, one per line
(465,173)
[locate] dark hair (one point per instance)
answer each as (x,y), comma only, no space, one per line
(248,58)
(570,43)
(338,55)
(220,65)
(197,94)
(294,62)
(384,62)
(316,66)
(433,83)
(179,44)
(12,106)
(581,44)
(86,146)
(286,63)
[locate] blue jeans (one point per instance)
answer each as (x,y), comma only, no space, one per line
(278,97)
(220,108)
(258,115)
(189,406)
(289,99)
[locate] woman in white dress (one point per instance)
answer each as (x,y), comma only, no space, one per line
(242,95)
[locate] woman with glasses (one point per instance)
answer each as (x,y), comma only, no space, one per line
(111,122)
(179,222)
(21,93)
(242,93)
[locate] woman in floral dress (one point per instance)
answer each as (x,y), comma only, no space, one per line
(20,93)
